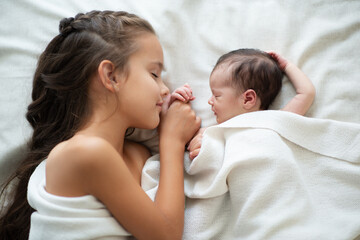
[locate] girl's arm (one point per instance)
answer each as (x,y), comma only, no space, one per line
(174,132)
(184,94)
(305,91)
(109,179)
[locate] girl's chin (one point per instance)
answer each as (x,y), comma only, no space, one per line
(156,122)
(152,123)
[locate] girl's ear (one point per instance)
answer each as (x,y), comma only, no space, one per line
(107,75)
(249,99)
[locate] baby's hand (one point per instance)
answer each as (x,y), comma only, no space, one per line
(195,144)
(281,61)
(183,94)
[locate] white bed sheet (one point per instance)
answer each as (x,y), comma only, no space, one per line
(321,36)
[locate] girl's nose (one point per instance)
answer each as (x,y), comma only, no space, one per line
(164,90)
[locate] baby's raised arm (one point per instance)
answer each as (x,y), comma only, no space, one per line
(305,90)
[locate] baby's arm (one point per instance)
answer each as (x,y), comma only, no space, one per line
(305,90)
(194,145)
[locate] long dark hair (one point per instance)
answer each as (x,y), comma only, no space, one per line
(60,103)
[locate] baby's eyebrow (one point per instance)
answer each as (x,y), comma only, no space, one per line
(214,90)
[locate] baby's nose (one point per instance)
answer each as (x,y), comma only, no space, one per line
(210,101)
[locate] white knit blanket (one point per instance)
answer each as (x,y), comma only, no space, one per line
(263,175)
(272,175)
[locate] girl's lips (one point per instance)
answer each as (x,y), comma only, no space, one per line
(159,106)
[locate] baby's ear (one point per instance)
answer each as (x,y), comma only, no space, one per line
(249,99)
(107,75)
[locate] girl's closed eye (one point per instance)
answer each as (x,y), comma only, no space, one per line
(155,75)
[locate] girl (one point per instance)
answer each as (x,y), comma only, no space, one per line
(97,78)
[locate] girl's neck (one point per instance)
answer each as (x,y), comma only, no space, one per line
(109,129)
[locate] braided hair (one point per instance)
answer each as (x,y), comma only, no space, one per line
(60,104)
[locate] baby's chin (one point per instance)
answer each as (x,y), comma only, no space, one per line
(223,119)
(218,120)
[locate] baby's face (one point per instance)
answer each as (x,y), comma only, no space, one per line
(225,102)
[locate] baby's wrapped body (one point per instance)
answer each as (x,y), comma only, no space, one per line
(273,175)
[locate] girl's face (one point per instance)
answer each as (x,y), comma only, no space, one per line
(225,101)
(143,91)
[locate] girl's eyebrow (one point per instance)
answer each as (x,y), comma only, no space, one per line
(160,65)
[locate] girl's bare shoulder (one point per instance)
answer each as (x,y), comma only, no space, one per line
(81,148)
(74,160)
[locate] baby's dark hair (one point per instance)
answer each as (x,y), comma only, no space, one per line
(60,96)
(253,69)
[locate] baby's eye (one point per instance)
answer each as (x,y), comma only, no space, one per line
(154,75)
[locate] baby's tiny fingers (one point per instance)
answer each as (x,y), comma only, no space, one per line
(179,97)
(181,91)
(194,154)
(188,91)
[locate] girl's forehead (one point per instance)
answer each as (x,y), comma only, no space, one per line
(150,48)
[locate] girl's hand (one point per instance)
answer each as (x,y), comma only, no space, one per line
(279,59)
(195,144)
(179,123)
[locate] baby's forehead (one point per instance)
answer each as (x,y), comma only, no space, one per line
(221,75)
(224,69)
